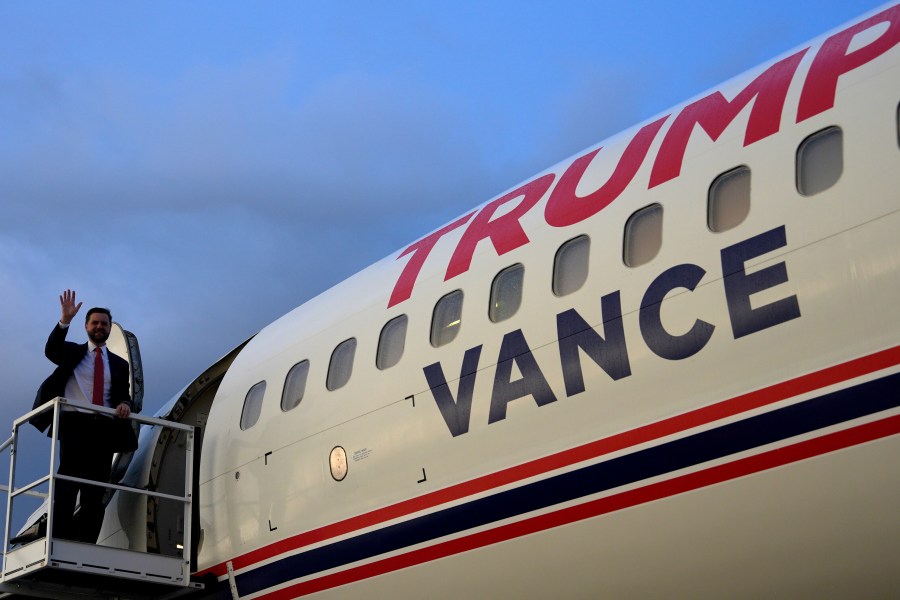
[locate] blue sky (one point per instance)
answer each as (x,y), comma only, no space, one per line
(204,167)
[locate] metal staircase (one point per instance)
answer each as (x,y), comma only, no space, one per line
(56,568)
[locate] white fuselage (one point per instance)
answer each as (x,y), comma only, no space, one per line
(718,421)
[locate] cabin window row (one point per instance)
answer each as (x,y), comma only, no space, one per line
(819,165)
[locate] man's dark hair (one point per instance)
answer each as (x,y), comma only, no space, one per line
(97,309)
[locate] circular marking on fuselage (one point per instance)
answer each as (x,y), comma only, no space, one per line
(338,461)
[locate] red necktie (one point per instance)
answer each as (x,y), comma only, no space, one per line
(98,377)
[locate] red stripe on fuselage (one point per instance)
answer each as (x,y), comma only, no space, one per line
(647,433)
(656,491)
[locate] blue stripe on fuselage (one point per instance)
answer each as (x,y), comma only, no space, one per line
(824,411)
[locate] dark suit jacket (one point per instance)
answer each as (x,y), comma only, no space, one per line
(66,356)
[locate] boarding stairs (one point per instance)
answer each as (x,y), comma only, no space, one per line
(64,569)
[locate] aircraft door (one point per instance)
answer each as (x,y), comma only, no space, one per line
(124,343)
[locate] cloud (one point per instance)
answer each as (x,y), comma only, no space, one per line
(201,206)
(356,144)
(599,103)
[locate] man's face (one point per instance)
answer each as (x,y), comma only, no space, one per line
(97,328)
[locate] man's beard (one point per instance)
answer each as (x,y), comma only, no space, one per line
(98,337)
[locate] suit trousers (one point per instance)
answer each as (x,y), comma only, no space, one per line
(84,452)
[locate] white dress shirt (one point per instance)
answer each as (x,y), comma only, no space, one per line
(80,387)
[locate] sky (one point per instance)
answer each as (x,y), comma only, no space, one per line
(204,167)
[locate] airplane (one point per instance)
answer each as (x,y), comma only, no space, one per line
(668,366)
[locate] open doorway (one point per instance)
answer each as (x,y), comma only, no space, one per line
(165,518)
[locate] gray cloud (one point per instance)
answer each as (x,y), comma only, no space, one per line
(201,218)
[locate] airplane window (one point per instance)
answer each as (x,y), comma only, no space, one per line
(253,405)
(341,365)
(643,236)
(391,343)
(446,319)
(728,203)
(570,267)
(294,386)
(506,293)
(820,161)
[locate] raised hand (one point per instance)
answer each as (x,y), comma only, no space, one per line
(69,308)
